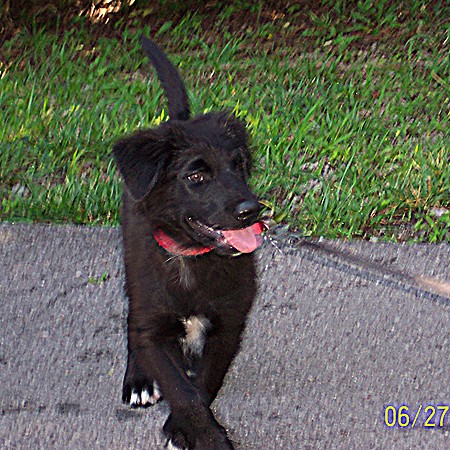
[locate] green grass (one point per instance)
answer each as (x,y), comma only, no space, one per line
(349,119)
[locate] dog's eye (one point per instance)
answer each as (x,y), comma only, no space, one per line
(196,177)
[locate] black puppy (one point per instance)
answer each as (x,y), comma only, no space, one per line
(189,228)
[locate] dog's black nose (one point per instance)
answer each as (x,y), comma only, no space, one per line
(248,210)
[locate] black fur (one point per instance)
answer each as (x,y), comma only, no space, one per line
(182,173)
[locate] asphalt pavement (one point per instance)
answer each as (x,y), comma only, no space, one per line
(347,346)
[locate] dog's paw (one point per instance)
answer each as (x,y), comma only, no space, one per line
(171,446)
(144,398)
(184,435)
(141,394)
(176,438)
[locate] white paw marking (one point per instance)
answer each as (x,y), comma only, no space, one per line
(135,399)
(157,394)
(145,397)
(171,446)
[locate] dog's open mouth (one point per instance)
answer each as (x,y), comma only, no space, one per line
(243,240)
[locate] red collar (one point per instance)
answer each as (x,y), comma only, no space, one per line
(168,244)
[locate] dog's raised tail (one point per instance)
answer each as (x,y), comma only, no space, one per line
(170,79)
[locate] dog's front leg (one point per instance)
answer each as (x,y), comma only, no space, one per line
(220,348)
(191,424)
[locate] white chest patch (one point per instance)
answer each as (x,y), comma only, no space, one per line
(196,328)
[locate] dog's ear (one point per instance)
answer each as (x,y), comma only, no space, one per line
(235,129)
(140,158)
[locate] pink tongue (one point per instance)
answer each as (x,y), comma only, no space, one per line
(245,240)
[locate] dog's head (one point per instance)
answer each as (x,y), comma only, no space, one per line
(191,179)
